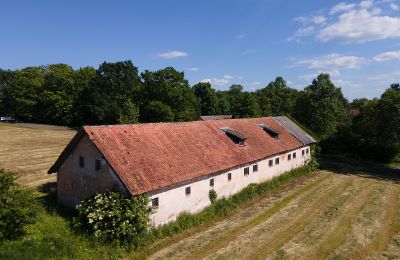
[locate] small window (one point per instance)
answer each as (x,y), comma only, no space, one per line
(303,152)
(81,162)
(277,161)
(154,202)
(97,165)
(255,168)
(294,155)
(187,191)
(271,163)
(307,151)
(229,176)
(246,171)
(289,157)
(211,182)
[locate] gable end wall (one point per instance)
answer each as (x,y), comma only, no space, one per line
(75,184)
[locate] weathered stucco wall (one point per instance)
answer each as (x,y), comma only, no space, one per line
(173,201)
(75,184)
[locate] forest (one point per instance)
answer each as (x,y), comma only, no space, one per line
(116,93)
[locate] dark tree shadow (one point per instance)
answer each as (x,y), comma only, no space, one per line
(49,200)
(365,170)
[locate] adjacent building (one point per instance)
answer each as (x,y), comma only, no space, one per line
(176,164)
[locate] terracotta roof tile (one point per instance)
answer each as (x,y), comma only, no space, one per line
(148,157)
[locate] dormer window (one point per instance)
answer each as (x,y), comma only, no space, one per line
(235,136)
(272,132)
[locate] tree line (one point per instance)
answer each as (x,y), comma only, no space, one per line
(116,93)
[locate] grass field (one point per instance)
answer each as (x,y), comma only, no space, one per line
(341,212)
(30,150)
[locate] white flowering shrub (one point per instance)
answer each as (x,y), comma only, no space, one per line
(112,217)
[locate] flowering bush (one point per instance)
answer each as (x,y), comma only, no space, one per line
(111,217)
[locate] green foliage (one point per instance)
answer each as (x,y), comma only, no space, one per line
(112,95)
(156,111)
(208,99)
(212,195)
(113,217)
(172,89)
(17,207)
(242,104)
(277,98)
(322,107)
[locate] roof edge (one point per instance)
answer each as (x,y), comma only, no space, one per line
(67,150)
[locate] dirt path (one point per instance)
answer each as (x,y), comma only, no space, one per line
(332,215)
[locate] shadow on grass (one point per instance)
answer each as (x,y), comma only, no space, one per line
(49,200)
(361,169)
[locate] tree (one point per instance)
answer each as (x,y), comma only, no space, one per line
(18,207)
(277,98)
(20,93)
(171,88)
(388,129)
(57,99)
(207,97)
(242,104)
(156,111)
(113,95)
(322,107)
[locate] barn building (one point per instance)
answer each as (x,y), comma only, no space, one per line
(176,164)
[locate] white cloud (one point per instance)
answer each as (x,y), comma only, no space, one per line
(228,77)
(385,79)
(385,56)
(240,36)
(316,19)
(332,62)
(216,81)
(193,69)
(240,77)
(349,22)
(394,6)
(341,7)
(366,3)
(171,54)
(361,26)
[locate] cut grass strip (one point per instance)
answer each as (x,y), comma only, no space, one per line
(229,236)
(390,226)
(143,254)
(338,232)
(299,223)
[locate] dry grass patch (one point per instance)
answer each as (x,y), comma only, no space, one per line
(30,152)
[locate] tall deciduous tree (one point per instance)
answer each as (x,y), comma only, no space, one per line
(277,99)
(207,97)
(243,104)
(113,94)
(322,107)
(171,88)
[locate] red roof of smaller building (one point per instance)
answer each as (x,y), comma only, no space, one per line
(149,157)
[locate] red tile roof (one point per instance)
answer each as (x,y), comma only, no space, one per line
(148,157)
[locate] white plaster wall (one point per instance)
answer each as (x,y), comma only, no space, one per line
(174,201)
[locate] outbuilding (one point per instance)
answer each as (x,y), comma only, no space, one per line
(176,164)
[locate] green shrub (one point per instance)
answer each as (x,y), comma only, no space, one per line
(112,217)
(18,207)
(212,194)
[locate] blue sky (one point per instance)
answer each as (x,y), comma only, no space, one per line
(224,41)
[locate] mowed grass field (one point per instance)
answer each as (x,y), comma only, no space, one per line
(340,213)
(30,150)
